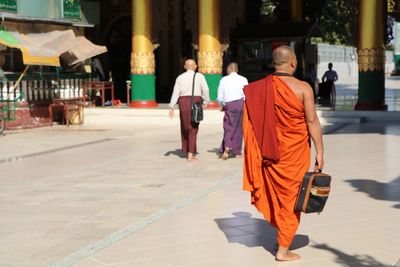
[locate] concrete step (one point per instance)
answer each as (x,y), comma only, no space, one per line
(335,120)
(359,116)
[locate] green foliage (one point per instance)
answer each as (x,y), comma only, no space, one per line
(267,7)
(317,40)
(337,18)
(390,47)
(394,9)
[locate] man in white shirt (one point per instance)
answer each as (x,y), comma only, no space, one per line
(182,95)
(230,98)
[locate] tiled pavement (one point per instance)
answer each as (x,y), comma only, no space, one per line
(116,193)
(347,94)
(360,226)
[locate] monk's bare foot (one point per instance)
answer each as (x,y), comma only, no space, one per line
(283,254)
(286,256)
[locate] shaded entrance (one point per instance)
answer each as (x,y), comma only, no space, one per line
(118,42)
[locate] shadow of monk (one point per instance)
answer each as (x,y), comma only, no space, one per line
(254,232)
(377,190)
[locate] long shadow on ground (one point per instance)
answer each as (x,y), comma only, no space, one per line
(253,232)
(350,260)
(177,152)
(215,151)
(377,190)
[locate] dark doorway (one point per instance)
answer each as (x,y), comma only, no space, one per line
(119,45)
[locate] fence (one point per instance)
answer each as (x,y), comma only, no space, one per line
(44,90)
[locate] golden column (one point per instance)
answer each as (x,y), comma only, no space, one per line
(242,11)
(371,55)
(210,52)
(142,57)
(296,10)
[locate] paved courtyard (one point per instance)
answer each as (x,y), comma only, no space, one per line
(117,192)
(347,94)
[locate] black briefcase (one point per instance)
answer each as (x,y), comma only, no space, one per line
(197,112)
(314,192)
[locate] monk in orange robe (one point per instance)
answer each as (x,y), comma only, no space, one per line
(279,119)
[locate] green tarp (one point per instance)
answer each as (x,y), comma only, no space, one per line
(72,9)
(8,5)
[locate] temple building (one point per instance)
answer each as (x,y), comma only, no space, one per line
(148,42)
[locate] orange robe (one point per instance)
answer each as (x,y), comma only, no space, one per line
(274,185)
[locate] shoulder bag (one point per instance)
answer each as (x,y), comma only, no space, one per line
(197,107)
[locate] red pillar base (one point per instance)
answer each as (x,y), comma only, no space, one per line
(213,105)
(143,104)
(371,107)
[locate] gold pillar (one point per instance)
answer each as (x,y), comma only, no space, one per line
(296,10)
(142,56)
(296,16)
(371,55)
(210,54)
(371,49)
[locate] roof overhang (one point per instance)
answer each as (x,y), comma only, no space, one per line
(47,48)
(276,31)
(15,17)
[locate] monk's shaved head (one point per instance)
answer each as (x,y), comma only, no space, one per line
(190,64)
(232,67)
(283,55)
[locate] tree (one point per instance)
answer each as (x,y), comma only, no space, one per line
(338,19)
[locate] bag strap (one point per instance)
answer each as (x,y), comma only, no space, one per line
(191,100)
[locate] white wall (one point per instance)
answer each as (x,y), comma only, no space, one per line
(345,61)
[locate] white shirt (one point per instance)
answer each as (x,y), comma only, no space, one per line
(231,88)
(183,87)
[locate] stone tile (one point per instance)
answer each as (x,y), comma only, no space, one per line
(113,256)
(54,204)
(143,264)
(203,264)
(89,263)
(189,256)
